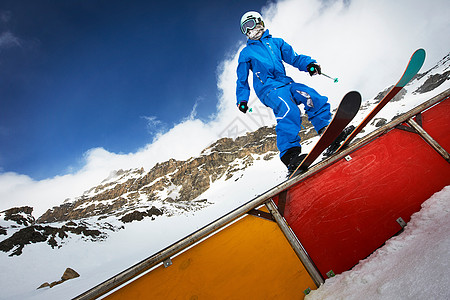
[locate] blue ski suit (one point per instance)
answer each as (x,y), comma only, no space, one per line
(264,57)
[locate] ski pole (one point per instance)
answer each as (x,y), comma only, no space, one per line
(335,79)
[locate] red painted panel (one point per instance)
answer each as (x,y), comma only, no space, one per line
(348,210)
(436,121)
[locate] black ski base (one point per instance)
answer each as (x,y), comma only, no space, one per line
(345,113)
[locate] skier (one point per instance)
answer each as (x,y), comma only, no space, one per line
(264,55)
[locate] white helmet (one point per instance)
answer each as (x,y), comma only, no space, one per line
(249,20)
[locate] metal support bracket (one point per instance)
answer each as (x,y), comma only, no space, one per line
(408,128)
(167,262)
(307,291)
(401,222)
(261,214)
(405,128)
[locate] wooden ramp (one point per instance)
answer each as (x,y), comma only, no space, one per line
(250,259)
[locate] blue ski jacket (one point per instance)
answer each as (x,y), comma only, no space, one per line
(265,58)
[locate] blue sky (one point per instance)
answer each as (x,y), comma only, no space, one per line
(76,75)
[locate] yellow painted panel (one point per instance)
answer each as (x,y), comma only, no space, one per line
(250,259)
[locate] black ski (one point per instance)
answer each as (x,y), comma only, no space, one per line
(345,113)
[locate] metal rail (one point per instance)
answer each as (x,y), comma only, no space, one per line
(264,198)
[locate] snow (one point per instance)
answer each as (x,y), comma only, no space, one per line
(413,265)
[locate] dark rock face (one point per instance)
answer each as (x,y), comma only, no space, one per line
(433,82)
(49,234)
(139,216)
(397,97)
(20,215)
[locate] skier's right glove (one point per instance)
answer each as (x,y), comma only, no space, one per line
(243,106)
(314,69)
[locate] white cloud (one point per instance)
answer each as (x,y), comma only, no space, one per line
(152,121)
(365,43)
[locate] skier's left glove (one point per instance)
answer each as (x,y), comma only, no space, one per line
(313,69)
(243,106)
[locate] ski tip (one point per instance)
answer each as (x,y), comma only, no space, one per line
(421,52)
(419,56)
(355,95)
(415,63)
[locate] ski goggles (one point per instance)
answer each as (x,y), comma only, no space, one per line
(248,25)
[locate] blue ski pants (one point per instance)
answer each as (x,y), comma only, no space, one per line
(284,102)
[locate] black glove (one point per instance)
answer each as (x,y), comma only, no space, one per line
(314,69)
(243,106)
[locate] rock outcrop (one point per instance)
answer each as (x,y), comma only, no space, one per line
(69,273)
(20,215)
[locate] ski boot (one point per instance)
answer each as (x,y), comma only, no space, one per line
(292,159)
(337,142)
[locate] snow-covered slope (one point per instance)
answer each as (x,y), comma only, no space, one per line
(135,213)
(413,265)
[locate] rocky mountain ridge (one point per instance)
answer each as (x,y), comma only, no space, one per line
(173,182)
